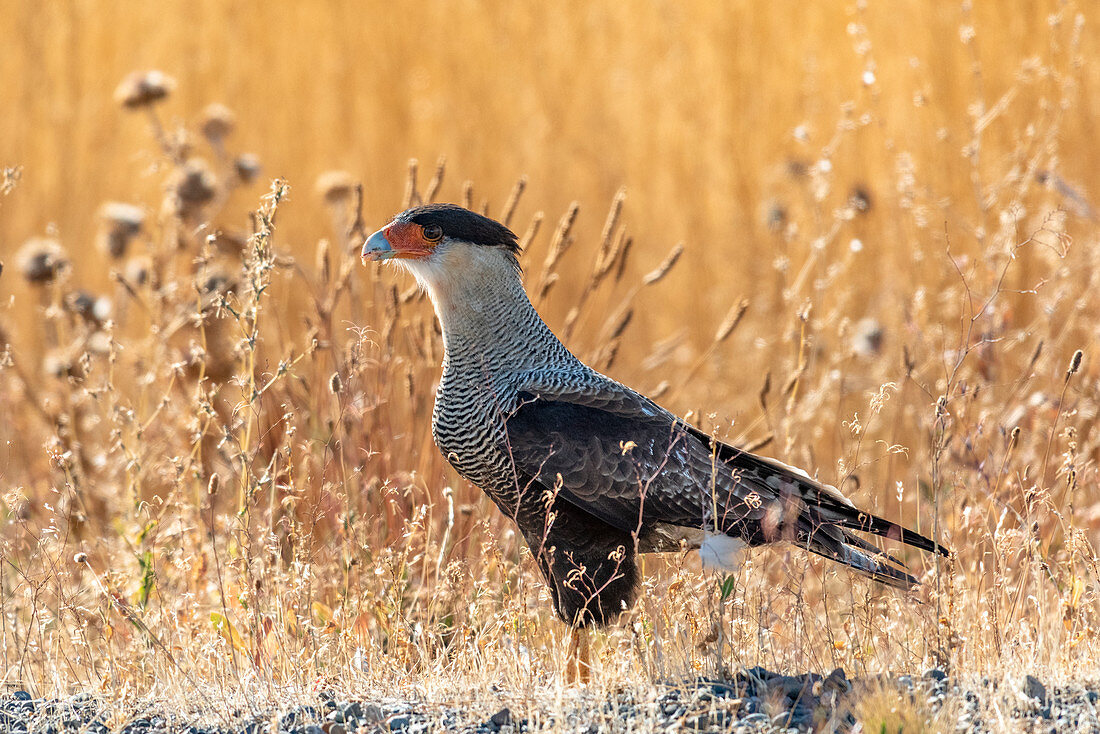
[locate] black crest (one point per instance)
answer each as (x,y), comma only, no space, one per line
(463,224)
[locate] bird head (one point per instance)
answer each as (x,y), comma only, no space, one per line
(434,238)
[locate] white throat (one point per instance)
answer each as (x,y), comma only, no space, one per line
(476,290)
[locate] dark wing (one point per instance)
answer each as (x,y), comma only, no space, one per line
(621,458)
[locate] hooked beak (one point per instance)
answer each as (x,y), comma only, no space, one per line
(377,247)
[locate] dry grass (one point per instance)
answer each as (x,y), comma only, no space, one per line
(219,484)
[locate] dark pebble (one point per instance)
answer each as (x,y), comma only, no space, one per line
(1093,696)
(399,723)
(350,712)
(313,729)
(935,674)
(501,718)
(372,714)
(1033,688)
(21,696)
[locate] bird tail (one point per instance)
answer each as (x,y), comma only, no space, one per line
(823,518)
(859,555)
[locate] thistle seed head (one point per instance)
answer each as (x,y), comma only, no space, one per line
(247,167)
(218,122)
(335,186)
(193,185)
(41,260)
(144,89)
(121,222)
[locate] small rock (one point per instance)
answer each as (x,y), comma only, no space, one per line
(372,714)
(21,696)
(333,727)
(935,674)
(350,713)
(399,723)
(313,729)
(1033,688)
(1093,696)
(501,718)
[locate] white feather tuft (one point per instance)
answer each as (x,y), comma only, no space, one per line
(721,552)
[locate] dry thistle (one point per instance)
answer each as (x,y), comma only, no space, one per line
(41,260)
(94,310)
(143,89)
(867,340)
(138,269)
(217,123)
(193,186)
(335,384)
(213,484)
(122,222)
(335,186)
(80,558)
(247,167)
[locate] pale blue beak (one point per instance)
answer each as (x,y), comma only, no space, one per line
(377,247)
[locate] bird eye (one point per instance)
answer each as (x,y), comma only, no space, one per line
(433,233)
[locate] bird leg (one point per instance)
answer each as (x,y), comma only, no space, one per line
(577,666)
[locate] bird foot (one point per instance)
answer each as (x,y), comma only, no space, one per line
(578,668)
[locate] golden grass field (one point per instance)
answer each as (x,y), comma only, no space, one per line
(218,481)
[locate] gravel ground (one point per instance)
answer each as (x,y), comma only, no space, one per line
(756,701)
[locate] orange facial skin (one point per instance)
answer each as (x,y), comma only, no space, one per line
(407,241)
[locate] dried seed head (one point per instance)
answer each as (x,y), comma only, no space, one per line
(775,215)
(41,260)
(860,199)
(335,384)
(193,185)
(335,186)
(81,303)
(80,558)
(662,270)
(217,282)
(143,89)
(138,270)
(867,340)
(213,484)
(62,362)
(247,167)
(1075,363)
(121,222)
(217,123)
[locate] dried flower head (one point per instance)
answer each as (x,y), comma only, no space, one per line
(80,558)
(867,339)
(138,270)
(64,362)
(193,185)
(41,260)
(335,186)
(121,222)
(218,122)
(143,88)
(247,167)
(93,309)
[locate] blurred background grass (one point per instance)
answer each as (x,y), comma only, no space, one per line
(694,107)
